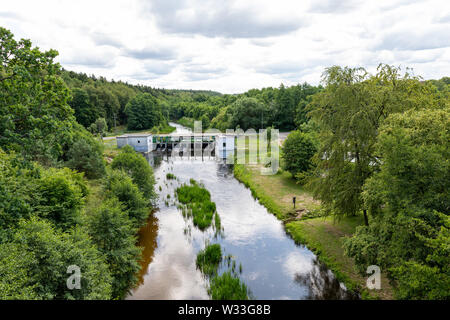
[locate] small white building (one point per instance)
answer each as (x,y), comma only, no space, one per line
(224,146)
(139,142)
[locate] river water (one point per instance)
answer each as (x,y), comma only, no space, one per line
(273,266)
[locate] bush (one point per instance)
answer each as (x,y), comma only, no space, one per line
(137,167)
(297,151)
(60,196)
(86,155)
(112,232)
(34,265)
(119,185)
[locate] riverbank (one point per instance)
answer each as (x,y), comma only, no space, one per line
(322,235)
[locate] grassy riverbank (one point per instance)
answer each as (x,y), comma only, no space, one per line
(322,235)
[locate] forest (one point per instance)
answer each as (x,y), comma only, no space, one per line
(371,144)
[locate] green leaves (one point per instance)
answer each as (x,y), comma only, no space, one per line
(113,233)
(138,168)
(143,112)
(34,113)
(297,152)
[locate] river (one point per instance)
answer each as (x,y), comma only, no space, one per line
(273,266)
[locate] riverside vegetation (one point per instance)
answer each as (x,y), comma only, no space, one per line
(226,286)
(368,153)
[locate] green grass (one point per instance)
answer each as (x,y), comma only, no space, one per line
(275,192)
(208,259)
(170,176)
(110,149)
(227,287)
(197,201)
(322,235)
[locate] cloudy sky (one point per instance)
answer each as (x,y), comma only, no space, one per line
(232,46)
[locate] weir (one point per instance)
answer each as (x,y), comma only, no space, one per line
(218,145)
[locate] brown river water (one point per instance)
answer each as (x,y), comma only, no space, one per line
(273,266)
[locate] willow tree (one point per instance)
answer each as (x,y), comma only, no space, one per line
(349,112)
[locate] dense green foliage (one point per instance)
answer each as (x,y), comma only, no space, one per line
(86,154)
(297,152)
(198,202)
(34,264)
(138,168)
(120,185)
(143,112)
(409,201)
(113,233)
(46,224)
(208,259)
(35,119)
(348,113)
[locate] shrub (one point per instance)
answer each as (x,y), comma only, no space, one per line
(86,155)
(34,265)
(298,149)
(118,184)
(60,196)
(113,233)
(138,168)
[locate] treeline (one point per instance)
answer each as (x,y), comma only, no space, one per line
(55,220)
(378,146)
(282,108)
(121,104)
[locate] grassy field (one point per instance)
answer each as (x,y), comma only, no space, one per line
(323,235)
(110,149)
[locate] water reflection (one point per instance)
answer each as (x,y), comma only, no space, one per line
(273,266)
(322,283)
(147,240)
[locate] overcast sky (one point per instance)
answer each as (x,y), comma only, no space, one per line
(233,46)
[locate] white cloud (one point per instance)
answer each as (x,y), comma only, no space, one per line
(233,46)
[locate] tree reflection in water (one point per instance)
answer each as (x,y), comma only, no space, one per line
(322,284)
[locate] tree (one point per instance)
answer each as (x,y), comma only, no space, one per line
(297,152)
(409,201)
(16,189)
(38,258)
(349,112)
(138,169)
(59,197)
(120,185)
(85,113)
(143,112)
(113,233)
(248,113)
(35,116)
(99,127)
(85,154)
